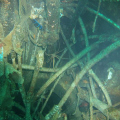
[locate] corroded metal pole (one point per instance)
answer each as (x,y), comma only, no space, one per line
(53,18)
(79,76)
(39,64)
(81,54)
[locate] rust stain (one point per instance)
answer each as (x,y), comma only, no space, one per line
(85,81)
(34,36)
(8,43)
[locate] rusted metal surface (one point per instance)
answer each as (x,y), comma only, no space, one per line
(53,17)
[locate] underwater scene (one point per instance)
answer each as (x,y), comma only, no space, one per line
(59,59)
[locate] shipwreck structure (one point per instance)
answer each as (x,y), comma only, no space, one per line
(59,60)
